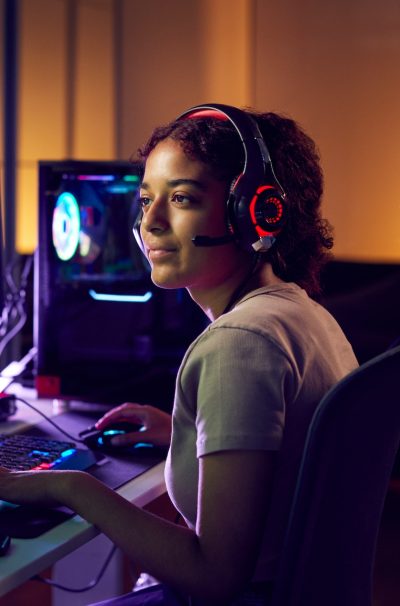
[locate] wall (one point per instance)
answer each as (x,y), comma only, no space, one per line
(178,53)
(334,65)
(66,92)
(94,82)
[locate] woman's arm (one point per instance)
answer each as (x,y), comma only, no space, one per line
(216,559)
(213,561)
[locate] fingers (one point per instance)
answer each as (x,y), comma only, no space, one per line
(128,439)
(156,424)
(125,412)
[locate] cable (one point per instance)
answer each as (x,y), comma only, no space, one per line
(90,585)
(14,331)
(14,311)
(15,369)
(42,414)
(11,373)
(5,387)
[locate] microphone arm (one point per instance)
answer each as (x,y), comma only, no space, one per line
(209,241)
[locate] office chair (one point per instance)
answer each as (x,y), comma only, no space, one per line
(329,553)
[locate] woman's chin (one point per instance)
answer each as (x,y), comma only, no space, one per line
(163,281)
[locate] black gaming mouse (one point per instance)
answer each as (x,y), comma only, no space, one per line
(101,439)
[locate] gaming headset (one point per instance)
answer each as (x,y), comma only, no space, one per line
(256,203)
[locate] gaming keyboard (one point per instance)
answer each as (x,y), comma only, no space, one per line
(22,452)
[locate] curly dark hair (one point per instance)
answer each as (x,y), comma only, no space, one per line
(301,249)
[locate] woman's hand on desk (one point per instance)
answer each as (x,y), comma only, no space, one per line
(52,488)
(155,424)
(35,487)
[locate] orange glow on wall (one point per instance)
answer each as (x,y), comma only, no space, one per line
(336,71)
(66,104)
(332,66)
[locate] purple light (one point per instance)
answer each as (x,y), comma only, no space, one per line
(96,177)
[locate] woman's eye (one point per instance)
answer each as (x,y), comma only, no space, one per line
(181,199)
(144,201)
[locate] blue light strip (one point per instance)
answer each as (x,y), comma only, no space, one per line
(96,177)
(97,296)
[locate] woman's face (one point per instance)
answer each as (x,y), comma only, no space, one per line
(182,199)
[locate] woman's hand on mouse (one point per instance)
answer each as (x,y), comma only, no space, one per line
(155,424)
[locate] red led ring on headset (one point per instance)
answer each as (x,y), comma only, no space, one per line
(274,220)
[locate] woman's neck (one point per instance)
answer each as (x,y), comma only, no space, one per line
(223,298)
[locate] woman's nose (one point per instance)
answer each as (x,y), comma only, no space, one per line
(155,216)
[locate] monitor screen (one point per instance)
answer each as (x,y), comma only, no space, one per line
(92,214)
(103,331)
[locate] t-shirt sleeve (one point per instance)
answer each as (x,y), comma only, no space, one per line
(243,380)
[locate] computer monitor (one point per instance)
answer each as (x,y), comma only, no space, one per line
(103,331)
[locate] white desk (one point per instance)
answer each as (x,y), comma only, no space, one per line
(28,557)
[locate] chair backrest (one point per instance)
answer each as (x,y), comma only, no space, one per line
(329,553)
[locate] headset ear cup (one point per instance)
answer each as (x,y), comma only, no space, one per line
(256,219)
(267,211)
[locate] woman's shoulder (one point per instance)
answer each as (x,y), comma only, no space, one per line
(282,314)
(261,307)
(259,317)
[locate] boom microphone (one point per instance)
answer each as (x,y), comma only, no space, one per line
(209,241)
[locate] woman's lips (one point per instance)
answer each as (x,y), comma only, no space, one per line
(160,253)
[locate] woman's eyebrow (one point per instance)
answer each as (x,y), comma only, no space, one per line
(176,182)
(194,182)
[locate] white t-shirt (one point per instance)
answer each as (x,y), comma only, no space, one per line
(250,381)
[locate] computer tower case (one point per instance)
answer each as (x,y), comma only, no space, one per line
(102,330)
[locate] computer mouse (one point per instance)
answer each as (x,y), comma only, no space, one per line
(101,439)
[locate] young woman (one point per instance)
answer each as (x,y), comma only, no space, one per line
(245,237)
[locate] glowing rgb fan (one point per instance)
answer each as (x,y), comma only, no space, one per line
(66,226)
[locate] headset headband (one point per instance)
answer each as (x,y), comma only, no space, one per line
(255,206)
(257,156)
